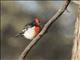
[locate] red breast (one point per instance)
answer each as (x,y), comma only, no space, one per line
(37,29)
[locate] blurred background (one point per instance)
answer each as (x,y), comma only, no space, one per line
(56,44)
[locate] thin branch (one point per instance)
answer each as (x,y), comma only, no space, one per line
(46,26)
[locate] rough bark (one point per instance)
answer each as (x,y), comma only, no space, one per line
(76,41)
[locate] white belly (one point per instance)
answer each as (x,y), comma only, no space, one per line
(30,33)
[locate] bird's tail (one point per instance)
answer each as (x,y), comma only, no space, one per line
(19,34)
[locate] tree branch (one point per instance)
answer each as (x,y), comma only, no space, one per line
(46,26)
(76,41)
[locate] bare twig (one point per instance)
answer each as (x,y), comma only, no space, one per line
(46,26)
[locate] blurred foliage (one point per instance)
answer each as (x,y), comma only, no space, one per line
(56,44)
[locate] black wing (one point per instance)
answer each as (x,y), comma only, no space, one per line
(29,25)
(19,34)
(26,27)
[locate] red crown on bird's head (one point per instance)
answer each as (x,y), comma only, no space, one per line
(36,20)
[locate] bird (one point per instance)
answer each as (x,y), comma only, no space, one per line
(31,30)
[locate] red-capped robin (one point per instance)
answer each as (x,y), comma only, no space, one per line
(31,30)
